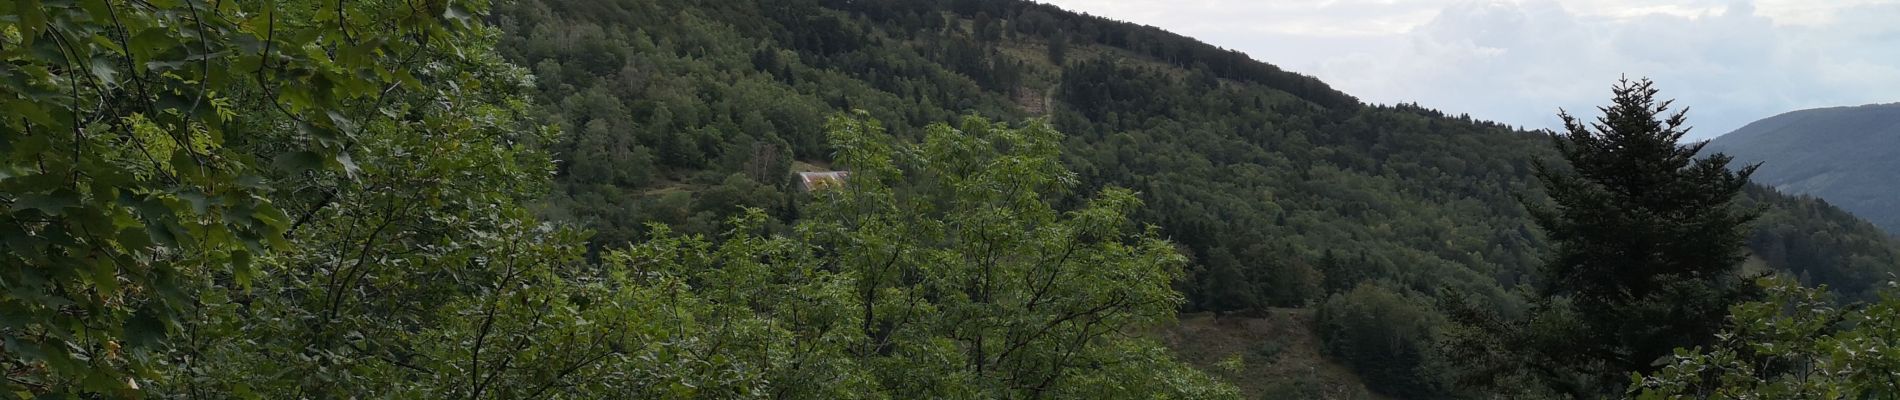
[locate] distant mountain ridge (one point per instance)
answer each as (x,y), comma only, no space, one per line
(1849,156)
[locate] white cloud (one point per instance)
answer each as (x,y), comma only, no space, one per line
(1519,61)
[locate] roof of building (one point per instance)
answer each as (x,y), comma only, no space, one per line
(819,180)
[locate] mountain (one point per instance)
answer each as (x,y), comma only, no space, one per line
(678,112)
(1283,192)
(1849,156)
(323,199)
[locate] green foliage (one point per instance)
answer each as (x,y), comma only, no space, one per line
(1279,190)
(1648,240)
(1796,344)
(1058,49)
(129,180)
(1215,190)
(414,267)
(1388,338)
(971,283)
(342,199)
(1233,154)
(1820,244)
(422,274)
(1226,288)
(749,316)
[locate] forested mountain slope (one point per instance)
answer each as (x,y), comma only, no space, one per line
(1847,155)
(314,199)
(1281,189)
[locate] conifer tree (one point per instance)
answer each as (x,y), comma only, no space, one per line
(1648,240)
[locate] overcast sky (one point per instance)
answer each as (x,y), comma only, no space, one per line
(1517,62)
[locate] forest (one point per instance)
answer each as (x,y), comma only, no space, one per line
(595,199)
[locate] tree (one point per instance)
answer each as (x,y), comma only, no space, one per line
(1386,337)
(1224,287)
(938,271)
(1058,49)
(422,275)
(1284,279)
(1272,155)
(969,282)
(1796,344)
(131,180)
(1648,241)
(985,28)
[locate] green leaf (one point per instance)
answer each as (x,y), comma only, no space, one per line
(298,161)
(107,43)
(269,215)
(23,245)
(32,112)
(145,329)
(102,68)
(105,275)
(10,171)
(135,239)
(199,202)
(241,269)
(456,12)
(32,20)
(50,204)
(342,122)
(349,165)
(161,233)
(149,44)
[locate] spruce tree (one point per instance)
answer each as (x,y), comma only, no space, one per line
(1649,241)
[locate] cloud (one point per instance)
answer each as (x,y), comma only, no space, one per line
(1518,62)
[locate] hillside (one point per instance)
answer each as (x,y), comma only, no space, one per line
(1849,156)
(1282,191)
(580,199)
(1236,159)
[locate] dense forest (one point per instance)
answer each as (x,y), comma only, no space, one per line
(594,199)
(682,113)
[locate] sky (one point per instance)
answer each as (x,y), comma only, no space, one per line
(1520,61)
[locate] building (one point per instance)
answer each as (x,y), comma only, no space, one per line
(809,181)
